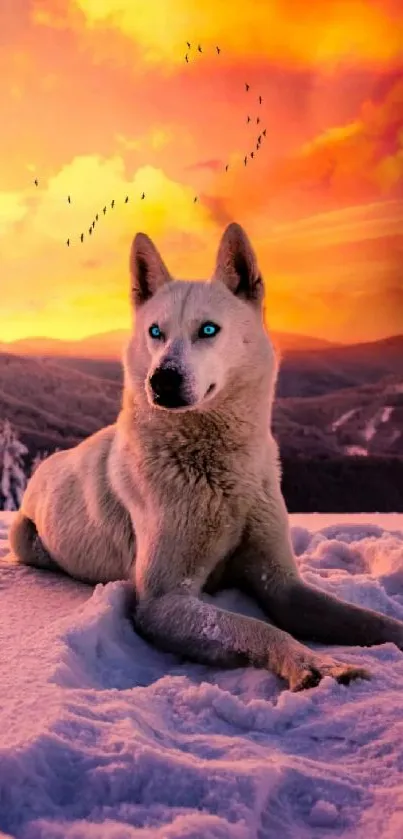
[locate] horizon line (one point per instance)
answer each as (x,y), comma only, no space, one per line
(100,335)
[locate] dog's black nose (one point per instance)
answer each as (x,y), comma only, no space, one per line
(167,387)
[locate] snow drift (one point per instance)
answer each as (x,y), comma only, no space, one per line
(103,736)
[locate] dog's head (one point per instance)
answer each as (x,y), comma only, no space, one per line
(194,340)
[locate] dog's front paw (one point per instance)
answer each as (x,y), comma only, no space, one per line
(308,674)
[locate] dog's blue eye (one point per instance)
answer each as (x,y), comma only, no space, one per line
(207,330)
(155,331)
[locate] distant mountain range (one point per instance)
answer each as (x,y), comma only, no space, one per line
(311,373)
(363,421)
(308,372)
(331,401)
(54,406)
(108,345)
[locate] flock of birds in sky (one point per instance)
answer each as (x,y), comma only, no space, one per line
(260,136)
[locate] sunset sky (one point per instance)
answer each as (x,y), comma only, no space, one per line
(98,102)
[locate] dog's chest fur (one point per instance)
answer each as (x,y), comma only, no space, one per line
(202,454)
(200,466)
(198,462)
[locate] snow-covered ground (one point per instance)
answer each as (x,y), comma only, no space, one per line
(103,736)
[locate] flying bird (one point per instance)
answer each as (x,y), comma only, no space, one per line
(82,237)
(186,59)
(68,243)
(113,203)
(252,154)
(226,168)
(245,160)
(104,210)
(69,199)
(195,199)
(247,86)
(248,119)
(257,146)
(143,195)
(90,230)
(93,224)
(199,48)
(126,199)
(259,139)
(96,217)
(257,120)
(260,100)
(264,132)
(188,44)
(36,182)
(218,50)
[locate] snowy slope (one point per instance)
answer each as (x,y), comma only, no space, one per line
(103,736)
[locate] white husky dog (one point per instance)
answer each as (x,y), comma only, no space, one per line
(182,495)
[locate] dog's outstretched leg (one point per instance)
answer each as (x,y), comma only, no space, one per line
(185,625)
(267,570)
(310,613)
(169,614)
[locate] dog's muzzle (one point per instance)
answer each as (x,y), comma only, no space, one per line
(168,388)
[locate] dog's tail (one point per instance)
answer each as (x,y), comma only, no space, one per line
(27,546)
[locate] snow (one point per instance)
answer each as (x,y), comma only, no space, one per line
(104,737)
(381,416)
(12,476)
(386,413)
(343,419)
(356,451)
(370,428)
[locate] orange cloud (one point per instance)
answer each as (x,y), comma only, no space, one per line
(39,221)
(306,34)
(361,159)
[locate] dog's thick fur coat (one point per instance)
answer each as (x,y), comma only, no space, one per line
(187,499)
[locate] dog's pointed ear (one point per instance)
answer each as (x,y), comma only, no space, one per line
(236,266)
(147,269)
